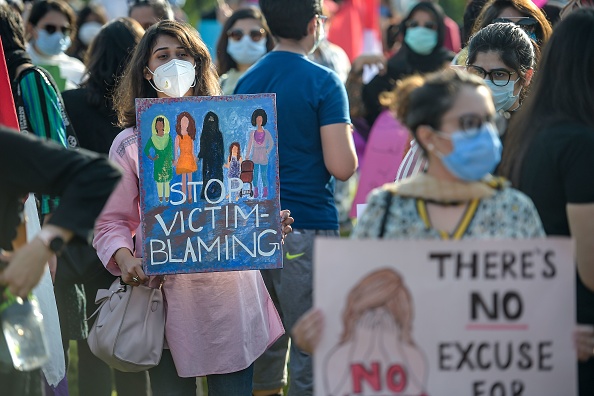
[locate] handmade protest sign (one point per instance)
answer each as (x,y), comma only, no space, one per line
(209,190)
(476,318)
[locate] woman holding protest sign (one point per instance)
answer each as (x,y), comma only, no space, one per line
(217,323)
(451,116)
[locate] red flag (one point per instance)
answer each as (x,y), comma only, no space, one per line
(8,115)
(355,20)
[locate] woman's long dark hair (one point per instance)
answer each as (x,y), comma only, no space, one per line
(563,90)
(133,84)
(108,56)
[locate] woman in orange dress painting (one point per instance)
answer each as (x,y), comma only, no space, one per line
(185,159)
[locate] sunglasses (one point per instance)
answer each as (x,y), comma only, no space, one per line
(428,25)
(255,34)
(51,29)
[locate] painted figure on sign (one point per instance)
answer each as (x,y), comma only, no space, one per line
(376,352)
(185,159)
(260,144)
(212,156)
(161,147)
(234,164)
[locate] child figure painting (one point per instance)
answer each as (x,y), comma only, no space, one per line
(234,165)
(195,214)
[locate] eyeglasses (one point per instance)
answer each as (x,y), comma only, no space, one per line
(428,25)
(471,123)
(499,77)
(51,29)
(255,34)
(526,23)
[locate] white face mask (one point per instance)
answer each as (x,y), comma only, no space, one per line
(88,31)
(246,51)
(174,78)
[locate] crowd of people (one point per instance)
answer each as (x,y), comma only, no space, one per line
(427,123)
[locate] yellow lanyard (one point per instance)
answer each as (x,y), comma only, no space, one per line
(462,226)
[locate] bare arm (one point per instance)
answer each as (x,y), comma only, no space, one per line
(581,225)
(338,148)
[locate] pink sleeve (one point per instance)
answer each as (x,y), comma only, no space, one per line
(119,220)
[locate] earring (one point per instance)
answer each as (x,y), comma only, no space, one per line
(430,146)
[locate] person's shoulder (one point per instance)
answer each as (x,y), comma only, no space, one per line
(562,136)
(512,198)
(72,62)
(127,138)
(75,96)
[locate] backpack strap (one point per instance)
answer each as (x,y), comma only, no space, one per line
(42,77)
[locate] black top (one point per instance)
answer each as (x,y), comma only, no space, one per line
(95,126)
(406,62)
(557,170)
(82,179)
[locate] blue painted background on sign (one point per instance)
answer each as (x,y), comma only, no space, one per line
(230,225)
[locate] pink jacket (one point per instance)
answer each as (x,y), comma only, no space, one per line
(217,323)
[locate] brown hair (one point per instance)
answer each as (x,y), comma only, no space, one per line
(191,125)
(381,288)
(133,84)
(235,144)
(397,100)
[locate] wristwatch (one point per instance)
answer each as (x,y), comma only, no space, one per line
(53,242)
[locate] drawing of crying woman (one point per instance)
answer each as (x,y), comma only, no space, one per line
(162,148)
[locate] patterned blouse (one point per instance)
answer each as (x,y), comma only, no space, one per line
(507,214)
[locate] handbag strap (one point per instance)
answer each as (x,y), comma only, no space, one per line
(104,295)
(389,197)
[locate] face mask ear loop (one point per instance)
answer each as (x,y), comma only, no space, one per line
(151,81)
(195,76)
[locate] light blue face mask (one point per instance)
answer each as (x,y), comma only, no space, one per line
(52,44)
(475,154)
(503,97)
(421,40)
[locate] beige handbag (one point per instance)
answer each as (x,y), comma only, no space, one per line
(129,331)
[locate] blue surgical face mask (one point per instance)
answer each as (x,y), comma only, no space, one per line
(503,97)
(52,44)
(475,153)
(421,40)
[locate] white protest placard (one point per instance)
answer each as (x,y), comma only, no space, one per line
(474,317)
